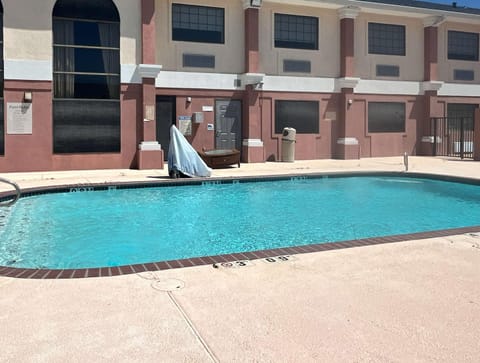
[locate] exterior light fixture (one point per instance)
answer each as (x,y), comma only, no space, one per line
(27,96)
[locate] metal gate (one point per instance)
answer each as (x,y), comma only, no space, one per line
(452,136)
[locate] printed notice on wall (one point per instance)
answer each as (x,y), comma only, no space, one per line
(19,118)
(185,125)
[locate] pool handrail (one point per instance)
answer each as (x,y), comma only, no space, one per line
(11,202)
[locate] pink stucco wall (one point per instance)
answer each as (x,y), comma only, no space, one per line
(34,152)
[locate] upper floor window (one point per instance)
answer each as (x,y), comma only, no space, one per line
(387,39)
(462,45)
(201,24)
(294,31)
(86,53)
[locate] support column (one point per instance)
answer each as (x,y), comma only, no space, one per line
(425,131)
(149,154)
(431,85)
(252,145)
(347,144)
(430,53)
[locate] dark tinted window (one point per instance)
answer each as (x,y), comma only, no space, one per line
(198,23)
(2,123)
(301,115)
(296,66)
(385,70)
(294,31)
(463,75)
(199,60)
(462,45)
(83,126)
(386,39)
(386,117)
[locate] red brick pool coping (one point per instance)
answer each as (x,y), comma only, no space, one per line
(25,273)
(212,260)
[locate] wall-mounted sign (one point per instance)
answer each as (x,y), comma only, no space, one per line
(149,113)
(19,118)
(207,108)
(185,125)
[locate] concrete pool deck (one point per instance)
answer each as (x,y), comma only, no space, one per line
(408,301)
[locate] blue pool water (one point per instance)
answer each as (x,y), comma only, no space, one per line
(128,226)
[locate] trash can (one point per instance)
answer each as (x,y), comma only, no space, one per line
(288,144)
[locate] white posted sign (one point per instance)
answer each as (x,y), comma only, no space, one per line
(19,118)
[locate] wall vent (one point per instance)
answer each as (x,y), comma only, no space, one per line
(386,70)
(296,66)
(198,60)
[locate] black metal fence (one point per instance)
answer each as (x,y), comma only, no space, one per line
(452,136)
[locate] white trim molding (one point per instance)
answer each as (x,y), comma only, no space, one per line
(347,141)
(252,143)
(408,88)
(194,80)
(347,82)
(299,84)
(129,74)
(251,78)
(149,146)
(432,86)
(348,12)
(149,70)
(434,21)
(460,90)
(28,70)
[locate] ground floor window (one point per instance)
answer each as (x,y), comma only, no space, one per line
(301,115)
(2,129)
(386,117)
(86,126)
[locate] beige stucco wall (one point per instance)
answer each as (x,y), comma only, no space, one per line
(28,29)
(325,62)
(229,57)
(446,66)
(411,65)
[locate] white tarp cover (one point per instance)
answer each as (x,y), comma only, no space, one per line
(183,158)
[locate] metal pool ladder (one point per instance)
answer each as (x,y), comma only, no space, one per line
(8,203)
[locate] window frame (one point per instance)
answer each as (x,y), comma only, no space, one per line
(462,57)
(391,50)
(386,131)
(197,30)
(315,32)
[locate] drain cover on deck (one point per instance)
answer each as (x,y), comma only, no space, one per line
(168,285)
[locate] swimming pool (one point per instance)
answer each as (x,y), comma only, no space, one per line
(116,226)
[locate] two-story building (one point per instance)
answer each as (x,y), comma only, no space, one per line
(97,83)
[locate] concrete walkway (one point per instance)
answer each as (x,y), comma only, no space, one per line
(402,302)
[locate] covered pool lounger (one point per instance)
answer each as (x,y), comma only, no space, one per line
(183,159)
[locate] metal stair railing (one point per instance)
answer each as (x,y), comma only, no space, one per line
(9,203)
